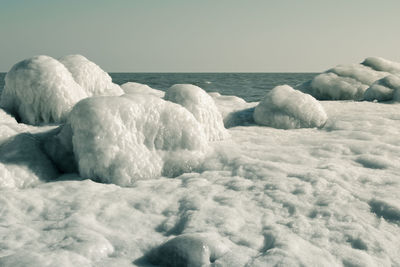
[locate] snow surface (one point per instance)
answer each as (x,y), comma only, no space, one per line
(202,106)
(138,88)
(286,108)
(350,82)
(40,90)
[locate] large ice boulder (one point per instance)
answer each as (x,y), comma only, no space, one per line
(349,82)
(90,76)
(123,139)
(202,106)
(383,89)
(286,108)
(138,88)
(40,90)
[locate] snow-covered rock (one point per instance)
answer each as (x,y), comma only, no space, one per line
(90,76)
(202,106)
(138,88)
(123,139)
(286,108)
(40,90)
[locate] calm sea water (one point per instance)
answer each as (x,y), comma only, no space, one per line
(249,86)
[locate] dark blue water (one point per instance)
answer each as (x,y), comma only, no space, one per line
(249,86)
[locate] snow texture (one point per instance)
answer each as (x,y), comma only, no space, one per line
(90,76)
(286,108)
(202,106)
(40,90)
(124,139)
(138,88)
(350,82)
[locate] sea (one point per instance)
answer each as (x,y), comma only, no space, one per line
(249,86)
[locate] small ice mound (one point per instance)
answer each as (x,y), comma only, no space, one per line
(138,88)
(40,90)
(387,209)
(381,64)
(202,106)
(330,86)
(122,139)
(90,76)
(23,163)
(286,108)
(189,250)
(349,82)
(383,89)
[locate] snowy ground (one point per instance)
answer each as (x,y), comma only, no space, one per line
(263,197)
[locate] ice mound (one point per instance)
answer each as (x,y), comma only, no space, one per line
(350,82)
(189,250)
(383,89)
(202,106)
(40,90)
(286,108)
(123,139)
(90,76)
(381,64)
(138,88)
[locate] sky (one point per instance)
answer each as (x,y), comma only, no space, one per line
(202,35)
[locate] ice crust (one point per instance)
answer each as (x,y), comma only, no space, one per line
(124,139)
(90,76)
(350,82)
(384,89)
(202,106)
(286,108)
(138,88)
(40,90)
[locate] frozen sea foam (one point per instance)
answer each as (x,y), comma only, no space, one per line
(202,106)
(124,139)
(349,82)
(286,108)
(90,76)
(40,90)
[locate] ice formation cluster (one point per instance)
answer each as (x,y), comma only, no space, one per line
(323,195)
(124,139)
(356,81)
(42,89)
(202,106)
(286,108)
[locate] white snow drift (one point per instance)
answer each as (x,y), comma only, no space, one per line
(350,82)
(124,139)
(286,108)
(42,90)
(202,106)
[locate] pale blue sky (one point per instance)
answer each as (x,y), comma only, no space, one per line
(203,35)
